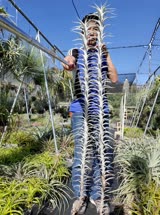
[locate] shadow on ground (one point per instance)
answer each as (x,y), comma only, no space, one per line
(91,209)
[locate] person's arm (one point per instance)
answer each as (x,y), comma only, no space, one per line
(71,59)
(71,63)
(112,72)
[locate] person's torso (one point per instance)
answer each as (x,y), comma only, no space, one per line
(90,79)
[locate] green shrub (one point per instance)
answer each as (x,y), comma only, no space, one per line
(133,132)
(13,155)
(55,164)
(147,200)
(3,116)
(138,163)
(21,138)
(15,196)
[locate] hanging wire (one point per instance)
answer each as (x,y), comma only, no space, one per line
(76,9)
(124,47)
(150,44)
(4,23)
(34,26)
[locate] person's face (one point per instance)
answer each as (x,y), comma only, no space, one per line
(92,32)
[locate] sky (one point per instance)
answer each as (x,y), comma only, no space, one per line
(132,24)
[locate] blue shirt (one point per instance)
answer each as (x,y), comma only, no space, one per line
(91,79)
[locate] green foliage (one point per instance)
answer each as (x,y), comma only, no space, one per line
(21,138)
(147,201)
(154,121)
(55,164)
(16,195)
(5,105)
(66,146)
(13,155)
(42,134)
(26,140)
(114,105)
(114,100)
(133,132)
(63,110)
(3,12)
(30,173)
(3,116)
(11,200)
(11,51)
(138,162)
(18,192)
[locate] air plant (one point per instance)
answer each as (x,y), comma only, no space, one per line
(37,180)
(138,162)
(95,130)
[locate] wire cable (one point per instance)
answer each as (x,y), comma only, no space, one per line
(124,47)
(35,27)
(76,9)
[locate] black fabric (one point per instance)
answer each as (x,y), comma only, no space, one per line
(75,54)
(77,88)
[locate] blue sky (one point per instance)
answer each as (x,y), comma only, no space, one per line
(133,24)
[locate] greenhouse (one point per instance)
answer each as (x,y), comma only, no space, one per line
(36,140)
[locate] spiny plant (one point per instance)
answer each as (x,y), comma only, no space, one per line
(51,164)
(147,200)
(93,87)
(138,163)
(47,171)
(17,195)
(66,146)
(10,50)
(42,134)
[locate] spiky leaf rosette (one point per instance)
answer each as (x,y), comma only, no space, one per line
(95,144)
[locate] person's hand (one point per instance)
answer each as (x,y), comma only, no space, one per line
(104,49)
(71,63)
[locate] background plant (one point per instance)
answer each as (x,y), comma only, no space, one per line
(138,162)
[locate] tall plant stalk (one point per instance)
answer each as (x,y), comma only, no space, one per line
(93,83)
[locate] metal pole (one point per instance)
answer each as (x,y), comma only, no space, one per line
(34,26)
(151,110)
(4,23)
(11,111)
(144,101)
(26,101)
(49,101)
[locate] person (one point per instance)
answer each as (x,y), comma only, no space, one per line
(92,165)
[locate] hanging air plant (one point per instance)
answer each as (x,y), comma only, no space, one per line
(96,138)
